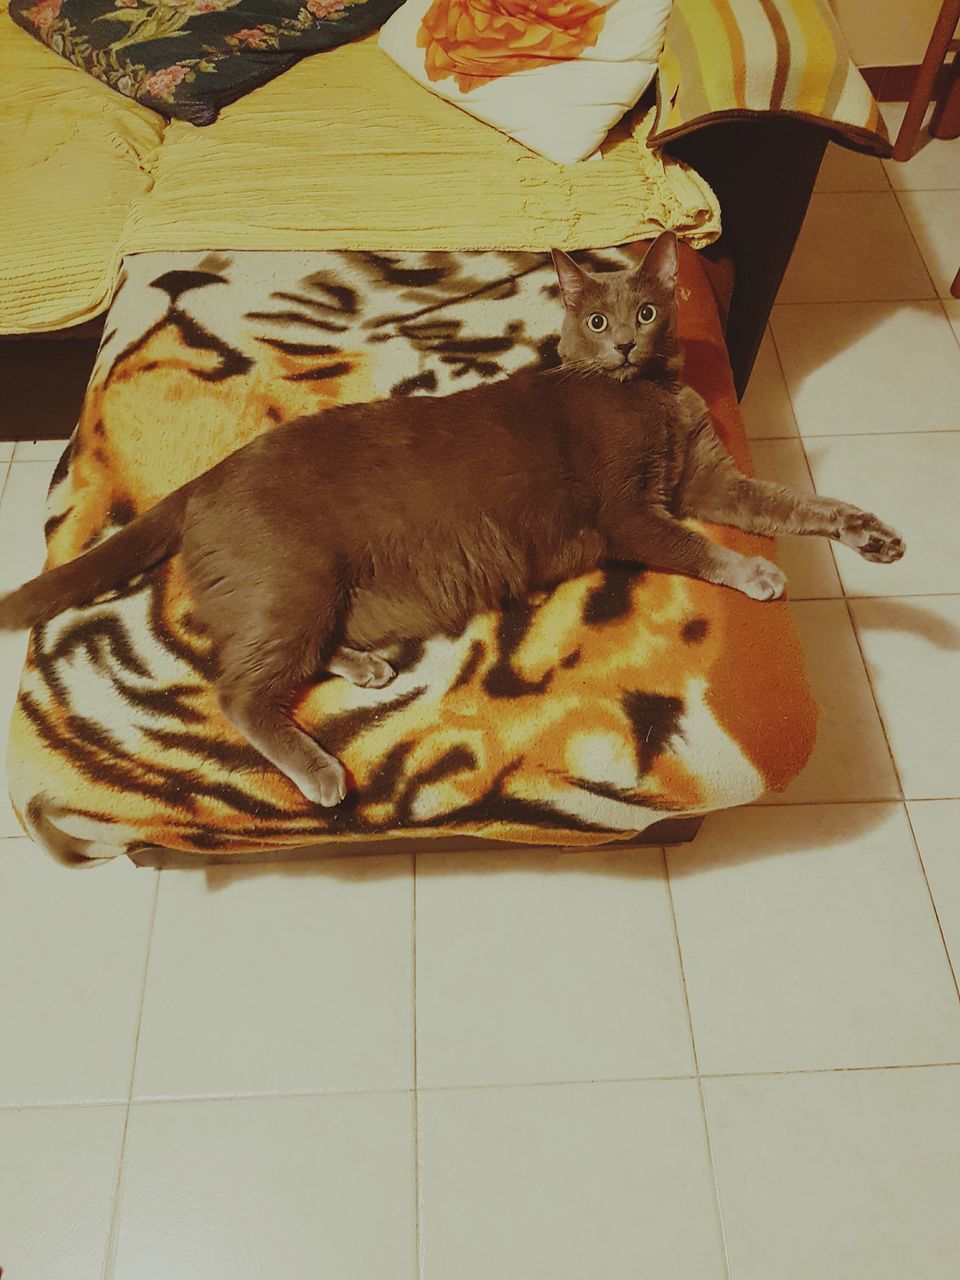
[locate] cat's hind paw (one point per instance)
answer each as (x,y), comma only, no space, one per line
(871,538)
(375,672)
(325,785)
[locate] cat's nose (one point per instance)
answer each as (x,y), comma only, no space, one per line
(624,348)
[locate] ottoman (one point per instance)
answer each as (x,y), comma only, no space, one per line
(579,716)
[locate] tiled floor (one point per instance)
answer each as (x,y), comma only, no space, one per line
(740,1060)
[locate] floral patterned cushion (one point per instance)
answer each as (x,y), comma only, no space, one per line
(556,75)
(189,58)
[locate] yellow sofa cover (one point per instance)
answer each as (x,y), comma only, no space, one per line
(346,151)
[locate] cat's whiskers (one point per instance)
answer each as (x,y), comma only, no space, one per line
(575,368)
(569,365)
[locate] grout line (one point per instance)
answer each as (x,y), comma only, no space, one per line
(905,595)
(109,1260)
(873,692)
(860,302)
(943,307)
(683,973)
(903,214)
(933,901)
(807,804)
(63,1104)
(829,1071)
(161,1100)
(417,1119)
(716,1181)
(696,1063)
(783,376)
(809,470)
(854,435)
(265,1095)
(515,1085)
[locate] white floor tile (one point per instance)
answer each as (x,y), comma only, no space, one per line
(765,407)
(295,980)
(910,481)
(846,170)
(567,1182)
(855,368)
(807,562)
(785,919)
(912,648)
(22,501)
(851,760)
(547,967)
(936,825)
(935,162)
(952,307)
(73,945)
(293,1188)
(6,450)
(39,450)
(841,1176)
(58,1171)
(934,218)
(13,649)
(855,247)
(21,522)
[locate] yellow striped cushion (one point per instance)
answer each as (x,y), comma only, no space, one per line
(728,59)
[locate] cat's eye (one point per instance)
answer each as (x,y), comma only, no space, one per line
(597,322)
(647,313)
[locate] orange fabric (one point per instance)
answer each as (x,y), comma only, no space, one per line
(758,701)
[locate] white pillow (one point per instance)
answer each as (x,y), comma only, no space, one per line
(562,108)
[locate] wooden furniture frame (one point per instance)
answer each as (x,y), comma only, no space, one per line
(945,122)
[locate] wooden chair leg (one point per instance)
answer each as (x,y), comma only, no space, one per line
(955,287)
(940,41)
(945,121)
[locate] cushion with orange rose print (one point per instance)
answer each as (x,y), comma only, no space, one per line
(554,74)
(189,58)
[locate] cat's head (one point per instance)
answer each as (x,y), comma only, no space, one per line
(621,324)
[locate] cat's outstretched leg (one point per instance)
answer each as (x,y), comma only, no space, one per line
(657,539)
(270,632)
(256,690)
(368,670)
(718,492)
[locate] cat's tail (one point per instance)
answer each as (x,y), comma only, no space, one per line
(138,546)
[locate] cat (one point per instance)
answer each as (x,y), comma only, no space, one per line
(328,539)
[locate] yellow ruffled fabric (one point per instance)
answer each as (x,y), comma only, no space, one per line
(343,151)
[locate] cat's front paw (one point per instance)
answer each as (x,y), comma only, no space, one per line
(873,539)
(760,579)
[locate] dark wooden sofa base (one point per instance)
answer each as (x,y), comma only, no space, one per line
(669,831)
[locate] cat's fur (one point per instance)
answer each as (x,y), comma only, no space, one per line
(327,539)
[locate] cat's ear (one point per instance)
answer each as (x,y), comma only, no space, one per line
(661,261)
(572,279)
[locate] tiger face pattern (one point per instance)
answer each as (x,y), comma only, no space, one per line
(578,716)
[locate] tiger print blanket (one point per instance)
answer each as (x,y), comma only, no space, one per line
(578,716)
